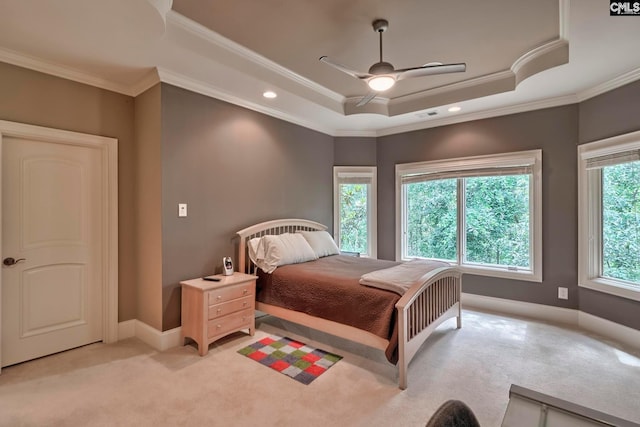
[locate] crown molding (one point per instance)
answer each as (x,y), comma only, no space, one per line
(58,70)
(537,53)
(162,7)
(609,85)
(208,35)
(479,115)
(151,79)
(184,82)
(355,133)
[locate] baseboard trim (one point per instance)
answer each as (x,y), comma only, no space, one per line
(609,329)
(631,337)
(160,341)
(588,322)
(560,315)
(127,329)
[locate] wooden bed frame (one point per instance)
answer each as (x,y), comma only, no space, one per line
(420,310)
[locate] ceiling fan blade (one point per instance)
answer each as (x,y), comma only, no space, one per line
(352,73)
(430,70)
(365,99)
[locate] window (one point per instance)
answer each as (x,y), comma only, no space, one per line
(354,201)
(482,213)
(609,215)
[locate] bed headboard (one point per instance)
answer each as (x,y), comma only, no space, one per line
(278,226)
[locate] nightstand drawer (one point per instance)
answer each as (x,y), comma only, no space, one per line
(225,308)
(212,309)
(218,296)
(229,323)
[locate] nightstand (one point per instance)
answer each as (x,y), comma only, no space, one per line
(212,310)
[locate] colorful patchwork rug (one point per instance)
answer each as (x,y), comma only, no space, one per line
(291,357)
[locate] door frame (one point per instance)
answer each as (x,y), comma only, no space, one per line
(109,156)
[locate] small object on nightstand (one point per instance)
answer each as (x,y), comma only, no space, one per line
(227,266)
(212,278)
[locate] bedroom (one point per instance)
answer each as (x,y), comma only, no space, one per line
(179,146)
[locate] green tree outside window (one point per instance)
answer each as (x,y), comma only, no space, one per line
(621,222)
(353,217)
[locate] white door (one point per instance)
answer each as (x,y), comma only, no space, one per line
(52,226)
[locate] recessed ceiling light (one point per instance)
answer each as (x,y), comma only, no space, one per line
(454,109)
(270,94)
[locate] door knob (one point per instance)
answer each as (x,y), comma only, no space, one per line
(11,261)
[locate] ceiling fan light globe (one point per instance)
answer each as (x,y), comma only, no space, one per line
(381,83)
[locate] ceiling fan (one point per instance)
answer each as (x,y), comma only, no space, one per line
(382,76)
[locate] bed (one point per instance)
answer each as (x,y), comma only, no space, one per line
(409,319)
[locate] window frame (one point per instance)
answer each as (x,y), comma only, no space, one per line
(531,158)
(370,173)
(590,216)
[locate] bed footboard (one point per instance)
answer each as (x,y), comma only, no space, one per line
(422,309)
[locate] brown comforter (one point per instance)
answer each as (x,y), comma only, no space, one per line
(329,288)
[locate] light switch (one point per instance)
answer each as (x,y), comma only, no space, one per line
(182,209)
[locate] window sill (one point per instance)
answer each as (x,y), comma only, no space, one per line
(477,270)
(612,288)
(503,274)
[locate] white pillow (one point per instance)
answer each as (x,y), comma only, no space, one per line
(285,249)
(256,251)
(321,242)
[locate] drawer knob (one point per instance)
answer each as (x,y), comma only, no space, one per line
(219,296)
(219,326)
(219,310)
(244,291)
(244,304)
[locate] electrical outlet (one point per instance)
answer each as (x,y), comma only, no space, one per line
(563,293)
(182,209)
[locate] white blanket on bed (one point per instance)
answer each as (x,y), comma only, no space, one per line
(401,277)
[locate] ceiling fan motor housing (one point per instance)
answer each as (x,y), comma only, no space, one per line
(380,25)
(381,68)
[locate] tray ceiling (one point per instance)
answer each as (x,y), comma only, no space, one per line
(295,33)
(520,55)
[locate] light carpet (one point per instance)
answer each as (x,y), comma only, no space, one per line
(130,384)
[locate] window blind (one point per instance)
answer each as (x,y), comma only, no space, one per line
(600,162)
(354,180)
(467,173)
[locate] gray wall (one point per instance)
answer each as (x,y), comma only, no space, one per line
(613,113)
(610,114)
(234,168)
(40,99)
(355,151)
(555,131)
